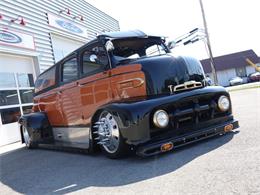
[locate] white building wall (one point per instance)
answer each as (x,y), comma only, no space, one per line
(225,75)
(250,69)
(35,17)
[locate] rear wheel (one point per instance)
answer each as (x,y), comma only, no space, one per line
(107,134)
(27,138)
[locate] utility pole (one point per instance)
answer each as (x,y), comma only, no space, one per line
(208,44)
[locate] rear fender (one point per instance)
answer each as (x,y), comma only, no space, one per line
(38,127)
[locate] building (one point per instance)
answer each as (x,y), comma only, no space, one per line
(34,34)
(231,65)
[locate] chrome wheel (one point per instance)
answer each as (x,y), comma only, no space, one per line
(107,131)
(26,136)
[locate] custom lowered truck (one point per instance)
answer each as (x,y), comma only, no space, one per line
(125,91)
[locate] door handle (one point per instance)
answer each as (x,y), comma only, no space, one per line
(80,85)
(59,135)
(107,72)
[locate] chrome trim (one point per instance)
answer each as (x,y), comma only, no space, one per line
(131,80)
(107,131)
(26,136)
(75,135)
(220,105)
(185,86)
(155,121)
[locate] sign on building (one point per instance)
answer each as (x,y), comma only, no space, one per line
(16,39)
(69,26)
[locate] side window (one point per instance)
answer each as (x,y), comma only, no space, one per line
(94,59)
(69,70)
(47,79)
(155,50)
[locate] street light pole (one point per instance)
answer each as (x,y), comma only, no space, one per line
(208,44)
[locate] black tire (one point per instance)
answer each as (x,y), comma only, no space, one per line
(122,151)
(27,138)
(122,148)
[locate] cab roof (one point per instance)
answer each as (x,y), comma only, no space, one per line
(125,34)
(111,35)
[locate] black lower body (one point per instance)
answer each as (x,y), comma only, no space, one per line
(194,115)
(154,146)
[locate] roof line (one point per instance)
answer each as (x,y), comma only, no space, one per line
(235,53)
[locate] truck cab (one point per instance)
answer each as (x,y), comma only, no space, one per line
(126,91)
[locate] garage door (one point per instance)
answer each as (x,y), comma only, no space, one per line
(16,92)
(63,46)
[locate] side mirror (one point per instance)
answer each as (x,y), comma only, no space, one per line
(93,58)
(109,46)
(171,44)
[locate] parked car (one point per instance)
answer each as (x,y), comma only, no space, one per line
(125,91)
(236,81)
(208,80)
(254,77)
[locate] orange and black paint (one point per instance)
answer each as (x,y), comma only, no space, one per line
(134,91)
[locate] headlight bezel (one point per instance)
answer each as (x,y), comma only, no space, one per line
(156,118)
(222,100)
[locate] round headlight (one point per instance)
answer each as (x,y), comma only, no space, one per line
(160,118)
(223,103)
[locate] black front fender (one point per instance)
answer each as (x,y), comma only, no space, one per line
(134,116)
(133,121)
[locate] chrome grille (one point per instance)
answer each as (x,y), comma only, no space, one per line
(186,86)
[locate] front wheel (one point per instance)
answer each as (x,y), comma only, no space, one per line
(107,134)
(27,138)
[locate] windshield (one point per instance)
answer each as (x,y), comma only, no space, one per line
(134,48)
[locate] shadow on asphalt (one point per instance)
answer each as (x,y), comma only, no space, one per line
(44,171)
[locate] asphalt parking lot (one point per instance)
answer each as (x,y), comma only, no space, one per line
(227,164)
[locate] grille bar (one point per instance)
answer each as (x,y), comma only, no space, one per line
(193,115)
(187,85)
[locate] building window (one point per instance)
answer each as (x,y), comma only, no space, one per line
(16,96)
(27,109)
(26,96)
(7,80)
(241,72)
(25,80)
(10,115)
(8,97)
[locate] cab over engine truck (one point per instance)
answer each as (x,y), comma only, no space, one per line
(125,90)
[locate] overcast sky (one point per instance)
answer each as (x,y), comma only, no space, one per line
(233,24)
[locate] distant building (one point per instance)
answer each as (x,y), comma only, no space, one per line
(258,64)
(231,65)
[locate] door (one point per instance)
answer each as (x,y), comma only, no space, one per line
(16,94)
(69,92)
(71,130)
(48,96)
(94,85)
